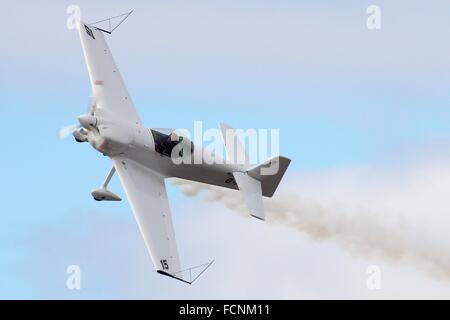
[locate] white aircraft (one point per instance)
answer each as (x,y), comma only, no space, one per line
(143,157)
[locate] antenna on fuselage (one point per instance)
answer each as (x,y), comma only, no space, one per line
(107,25)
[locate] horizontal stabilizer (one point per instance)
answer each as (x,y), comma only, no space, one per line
(251,191)
(270,173)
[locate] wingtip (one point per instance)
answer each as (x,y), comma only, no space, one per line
(192,280)
(172,276)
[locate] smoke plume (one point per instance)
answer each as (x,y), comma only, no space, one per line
(397,215)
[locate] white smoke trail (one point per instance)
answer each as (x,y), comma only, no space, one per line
(368,212)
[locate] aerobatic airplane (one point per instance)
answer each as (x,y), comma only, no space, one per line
(143,157)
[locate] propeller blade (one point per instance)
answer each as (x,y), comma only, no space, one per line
(66,131)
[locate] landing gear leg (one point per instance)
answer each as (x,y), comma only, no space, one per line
(102,193)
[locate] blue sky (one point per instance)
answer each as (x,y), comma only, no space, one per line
(340,94)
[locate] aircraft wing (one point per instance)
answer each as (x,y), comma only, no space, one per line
(147,196)
(108,89)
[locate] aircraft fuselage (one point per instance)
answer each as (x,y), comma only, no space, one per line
(113,138)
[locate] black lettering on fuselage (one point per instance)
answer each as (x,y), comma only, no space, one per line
(89,32)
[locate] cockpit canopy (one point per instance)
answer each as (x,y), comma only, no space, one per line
(167,139)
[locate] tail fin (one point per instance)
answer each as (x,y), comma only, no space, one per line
(253,182)
(235,149)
